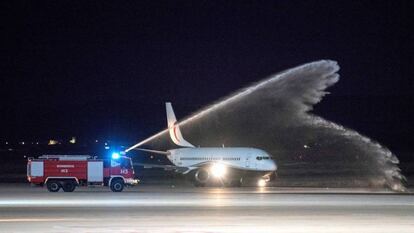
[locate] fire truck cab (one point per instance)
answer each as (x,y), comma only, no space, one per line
(69,171)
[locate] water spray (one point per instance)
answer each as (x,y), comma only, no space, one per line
(275,115)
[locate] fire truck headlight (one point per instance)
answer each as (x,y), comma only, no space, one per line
(218,170)
(115,155)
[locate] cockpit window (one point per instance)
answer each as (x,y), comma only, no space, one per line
(262,157)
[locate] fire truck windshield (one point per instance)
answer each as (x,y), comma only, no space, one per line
(126,163)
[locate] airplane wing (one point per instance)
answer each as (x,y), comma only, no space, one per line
(166,167)
(163,166)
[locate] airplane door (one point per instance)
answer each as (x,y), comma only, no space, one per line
(247,162)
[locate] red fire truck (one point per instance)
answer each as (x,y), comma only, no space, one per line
(69,171)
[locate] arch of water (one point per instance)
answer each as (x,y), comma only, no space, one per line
(275,115)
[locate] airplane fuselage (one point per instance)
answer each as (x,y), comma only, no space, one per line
(242,158)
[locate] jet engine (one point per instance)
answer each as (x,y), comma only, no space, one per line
(202,175)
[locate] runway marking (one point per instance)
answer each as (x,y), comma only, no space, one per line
(216,201)
(39,219)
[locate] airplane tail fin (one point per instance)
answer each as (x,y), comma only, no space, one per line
(174,129)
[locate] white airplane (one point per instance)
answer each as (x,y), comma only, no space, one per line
(227,164)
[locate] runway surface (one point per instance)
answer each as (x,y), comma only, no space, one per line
(183,209)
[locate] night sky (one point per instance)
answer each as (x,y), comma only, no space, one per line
(104,69)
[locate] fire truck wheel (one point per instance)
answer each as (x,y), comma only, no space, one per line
(69,186)
(53,186)
(117,185)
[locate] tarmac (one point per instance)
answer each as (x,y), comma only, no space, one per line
(176,209)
